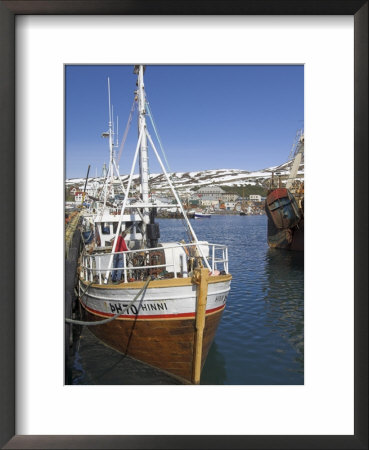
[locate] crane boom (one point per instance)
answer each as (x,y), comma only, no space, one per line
(296,162)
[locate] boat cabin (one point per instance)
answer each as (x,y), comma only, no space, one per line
(106,228)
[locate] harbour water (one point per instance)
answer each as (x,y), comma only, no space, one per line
(260,339)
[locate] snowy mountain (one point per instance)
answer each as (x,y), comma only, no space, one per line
(187,181)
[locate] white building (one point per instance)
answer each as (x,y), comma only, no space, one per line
(255,198)
(212,192)
(229,205)
(91,189)
(78,196)
(208,202)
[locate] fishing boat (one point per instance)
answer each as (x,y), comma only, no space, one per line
(241,206)
(203,214)
(158,302)
(200,215)
(284,206)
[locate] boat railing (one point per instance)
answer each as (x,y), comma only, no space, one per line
(136,264)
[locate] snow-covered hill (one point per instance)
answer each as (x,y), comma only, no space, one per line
(189,180)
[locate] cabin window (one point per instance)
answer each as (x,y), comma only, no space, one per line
(115,226)
(105,229)
(139,228)
(128,225)
(132,230)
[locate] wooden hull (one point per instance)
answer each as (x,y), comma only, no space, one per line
(159,328)
(167,344)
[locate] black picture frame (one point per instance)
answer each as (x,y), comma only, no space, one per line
(8,12)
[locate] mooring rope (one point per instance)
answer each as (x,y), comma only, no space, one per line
(110,319)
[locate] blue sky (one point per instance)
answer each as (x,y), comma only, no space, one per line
(208,117)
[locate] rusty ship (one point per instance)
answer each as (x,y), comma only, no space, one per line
(284,205)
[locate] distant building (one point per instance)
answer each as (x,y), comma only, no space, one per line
(163,199)
(229,205)
(78,196)
(194,202)
(91,189)
(255,198)
(213,192)
(208,201)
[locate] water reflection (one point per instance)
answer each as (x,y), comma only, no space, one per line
(260,339)
(284,304)
(214,359)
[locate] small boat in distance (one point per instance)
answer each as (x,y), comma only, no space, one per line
(158,302)
(241,206)
(203,214)
(199,215)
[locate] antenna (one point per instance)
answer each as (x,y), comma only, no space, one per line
(117,134)
(111,132)
(109,102)
(112,118)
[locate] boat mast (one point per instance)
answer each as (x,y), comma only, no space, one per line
(143,157)
(111,143)
(142,153)
(111,135)
(116,146)
(109,175)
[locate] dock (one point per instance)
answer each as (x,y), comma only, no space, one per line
(72,251)
(72,221)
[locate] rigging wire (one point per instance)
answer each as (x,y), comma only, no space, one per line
(151,116)
(130,117)
(157,134)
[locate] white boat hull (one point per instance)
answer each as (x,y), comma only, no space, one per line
(155,303)
(160,327)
